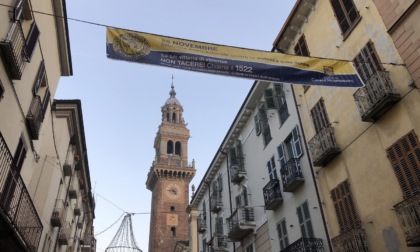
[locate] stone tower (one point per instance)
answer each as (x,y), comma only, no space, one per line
(169,178)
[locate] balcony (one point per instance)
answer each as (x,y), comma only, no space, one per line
(88,241)
(80,224)
(272,195)
(305,245)
(241,223)
(237,173)
(291,175)
(202,226)
(57,216)
(34,118)
(216,203)
(72,192)
(377,97)
(323,146)
(76,209)
(219,243)
(408,212)
(67,169)
(352,240)
(64,234)
(17,209)
(13,51)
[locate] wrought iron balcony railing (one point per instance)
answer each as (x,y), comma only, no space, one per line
(272,194)
(305,245)
(291,175)
(57,216)
(353,240)
(34,117)
(16,202)
(64,234)
(376,97)
(219,243)
(241,223)
(202,225)
(216,203)
(13,51)
(323,146)
(408,213)
(88,240)
(237,173)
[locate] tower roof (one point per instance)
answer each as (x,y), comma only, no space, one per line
(172,99)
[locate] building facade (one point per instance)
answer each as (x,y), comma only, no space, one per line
(169,178)
(45,198)
(258,193)
(364,142)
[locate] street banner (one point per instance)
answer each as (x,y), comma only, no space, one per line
(228,61)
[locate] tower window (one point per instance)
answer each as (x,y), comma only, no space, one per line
(167,117)
(172,209)
(178,148)
(173,117)
(170,147)
(173,231)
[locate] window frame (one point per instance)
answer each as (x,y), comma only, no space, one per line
(320,116)
(305,221)
(345,208)
(367,62)
(346,16)
(282,233)
(272,172)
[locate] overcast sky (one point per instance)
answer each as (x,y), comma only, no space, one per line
(121,101)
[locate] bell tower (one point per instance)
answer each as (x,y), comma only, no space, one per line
(169,178)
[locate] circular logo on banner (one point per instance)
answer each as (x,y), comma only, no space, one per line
(131,46)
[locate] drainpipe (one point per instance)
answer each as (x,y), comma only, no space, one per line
(211,231)
(312,171)
(230,195)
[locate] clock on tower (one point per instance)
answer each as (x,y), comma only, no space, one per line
(169,178)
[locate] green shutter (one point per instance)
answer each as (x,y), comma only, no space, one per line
(269,99)
(296,143)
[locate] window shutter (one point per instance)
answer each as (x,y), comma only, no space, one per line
(280,96)
(296,142)
(39,78)
(269,170)
(219,225)
(245,195)
(233,158)
(305,221)
(404,156)
(238,201)
(45,102)
(319,116)
(345,209)
(31,40)
(257,124)
(220,182)
(282,156)
(269,99)
(239,154)
(273,167)
(282,232)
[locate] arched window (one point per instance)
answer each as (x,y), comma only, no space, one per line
(178,148)
(170,147)
(167,117)
(173,117)
(173,231)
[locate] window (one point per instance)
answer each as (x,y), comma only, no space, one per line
(220,182)
(290,148)
(282,232)
(219,225)
(172,209)
(367,62)
(319,116)
(261,123)
(346,14)
(173,231)
(305,220)
(1,90)
(276,99)
(236,156)
(241,200)
(204,211)
(271,165)
(250,248)
(344,207)
(301,49)
(31,40)
(20,155)
(404,156)
(170,147)
(178,148)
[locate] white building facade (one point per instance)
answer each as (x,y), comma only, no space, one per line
(258,193)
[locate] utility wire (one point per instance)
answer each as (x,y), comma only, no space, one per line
(104,25)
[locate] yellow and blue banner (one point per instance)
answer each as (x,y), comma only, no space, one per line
(229,61)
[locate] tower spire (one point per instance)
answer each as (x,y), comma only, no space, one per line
(172,93)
